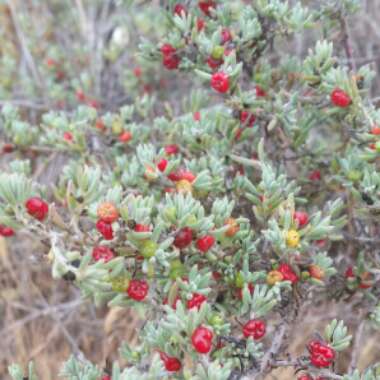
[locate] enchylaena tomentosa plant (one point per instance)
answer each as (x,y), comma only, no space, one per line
(224,218)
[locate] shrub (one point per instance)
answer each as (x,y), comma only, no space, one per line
(223,218)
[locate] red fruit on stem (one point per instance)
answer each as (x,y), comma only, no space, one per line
(106,377)
(260,92)
(196,301)
(68,136)
(6,231)
(288,273)
(137,72)
(100,125)
(8,148)
(216,276)
(247,119)
(138,289)
(171,149)
(254,328)
(301,217)
(315,175)
(201,339)
(340,98)
(375,130)
(206,5)
(183,238)
(167,49)
(37,208)
(171,363)
(125,136)
(50,62)
(200,24)
(105,229)
(197,116)
(226,35)
(171,62)
(102,253)
(205,243)
(321,355)
(179,10)
(305,377)
(80,95)
(162,164)
(141,228)
(349,272)
(220,82)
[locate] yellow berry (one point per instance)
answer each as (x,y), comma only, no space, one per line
(119,284)
(274,276)
(292,239)
(184,186)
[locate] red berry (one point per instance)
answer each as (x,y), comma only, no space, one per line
(102,253)
(315,175)
(254,328)
(349,272)
(206,5)
(183,238)
(68,136)
(100,125)
(167,49)
(247,119)
(260,92)
(288,273)
(106,377)
(80,95)
(125,136)
(138,289)
(201,339)
(200,24)
(105,229)
(340,98)
(180,175)
(196,301)
(162,164)
(321,355)
(226,35)
(301,217)
(179,9)
(50,62)
(205,243)
(214,63)
(171,149)
(375,130)
(6,231)
(220,82)
(216,276)
(141,228)
(37,208)
(92,103)
(137,72)
(8,148)
(197,116)
(305,377)
(171,62)
(171,363)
